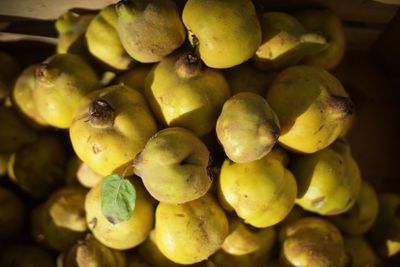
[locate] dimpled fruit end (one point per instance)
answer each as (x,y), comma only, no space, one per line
(101,114)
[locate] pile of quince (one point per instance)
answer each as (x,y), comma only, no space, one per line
(187,133)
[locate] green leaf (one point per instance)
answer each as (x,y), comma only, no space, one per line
(118,198)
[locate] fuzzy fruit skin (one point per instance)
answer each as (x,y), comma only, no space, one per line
(90,252)
(60,221)
(285,42)
(259,257)
(22,96)
(226,32)
(185,94)
(110,148)
(15,132)
(312,107)
(247,127)
(385,232)
(149,251)
(12,213)
(295,214)
(329,180)
(359,219)
(245,245)
(123,235)
(135,77)
(26,255)
(280,45)
(279,154)
(71,28)
(359,252)
(87,177)
(59,78)
(327,23)
(246,78)
(103,40)
(173,166)
(261,192)
(37,168)
(241,239)
(149,29)
(195,234)
(313,242)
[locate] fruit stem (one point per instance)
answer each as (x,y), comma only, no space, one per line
(101,114)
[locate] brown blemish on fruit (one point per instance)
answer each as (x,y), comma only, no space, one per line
(96,149)
(318,202)
(341,105)
(320,128)
(101,113)
(188,65)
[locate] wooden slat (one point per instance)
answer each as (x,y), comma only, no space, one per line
(16,37)
(361,38)
(389,2)
(349,10)
(374,137)
(387,48)
(47,9)
(355,10)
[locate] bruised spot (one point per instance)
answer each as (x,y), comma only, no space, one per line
(318,202)
(179,215)
(96,148)
(340,104)
(320,128)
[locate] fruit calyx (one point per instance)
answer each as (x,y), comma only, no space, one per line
(269,131)
(340,106)
(101,114)
(45,73)
(188,65)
